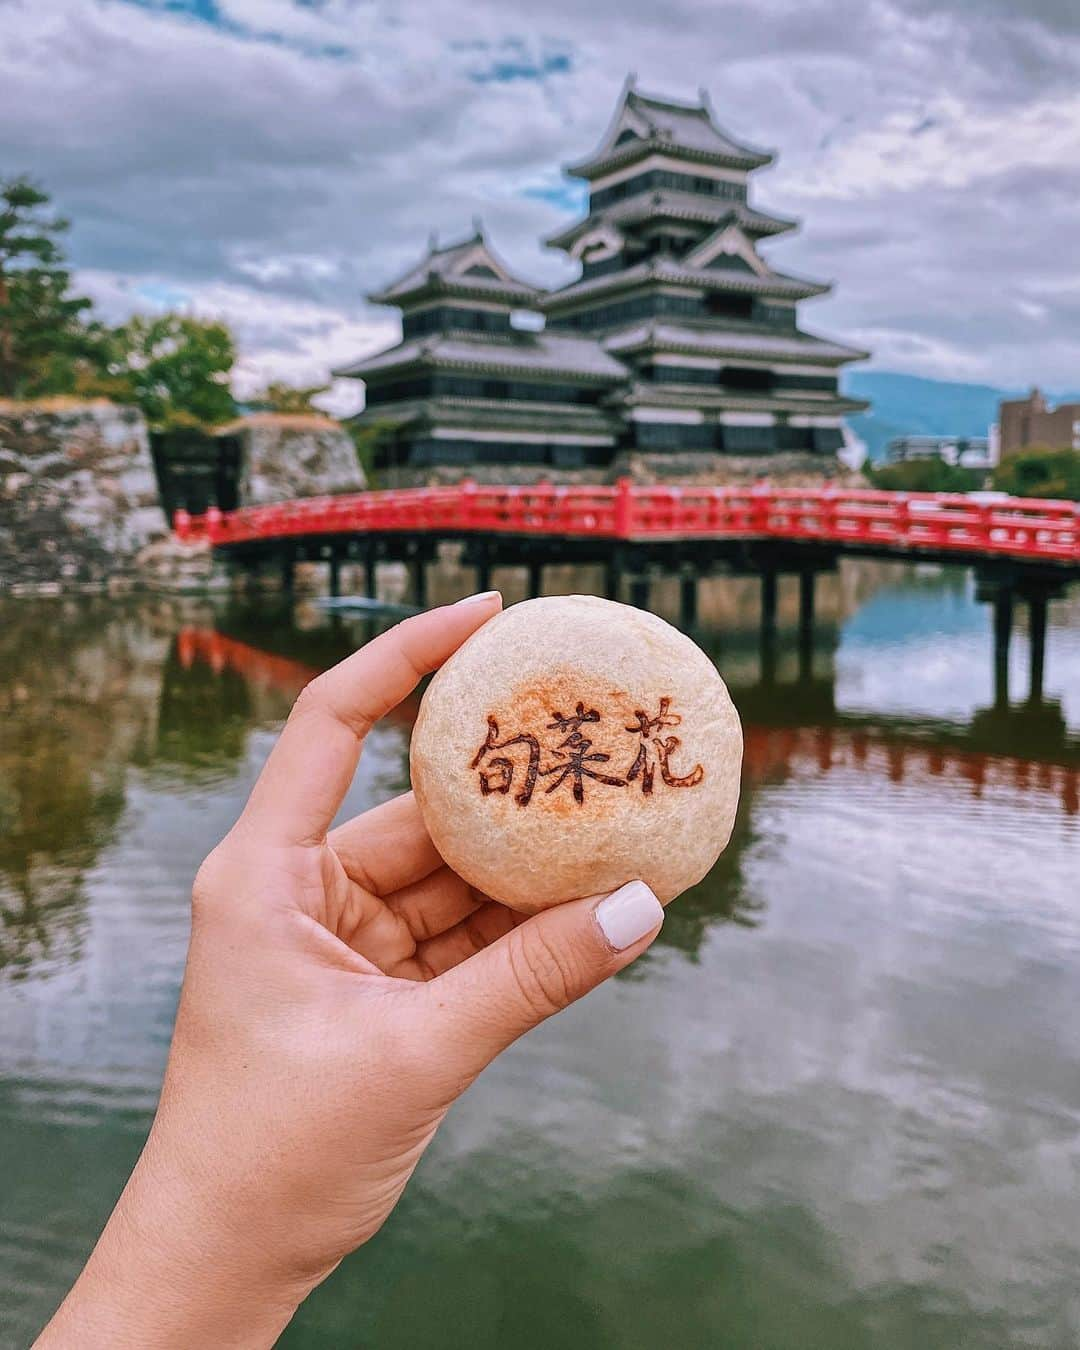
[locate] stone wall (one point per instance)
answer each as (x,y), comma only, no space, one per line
(516,475)
(698,468)
(79,502)
(285,456)
(78,496)
(702,468)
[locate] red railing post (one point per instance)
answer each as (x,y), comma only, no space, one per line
(181,523)
(760,495)
(624,508)
(467,505)
(213,520)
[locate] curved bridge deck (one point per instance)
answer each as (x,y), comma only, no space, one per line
(694,523)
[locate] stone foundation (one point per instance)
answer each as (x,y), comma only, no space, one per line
(283,457)
(78,496)
(696,468)
(708,468)
(514,475)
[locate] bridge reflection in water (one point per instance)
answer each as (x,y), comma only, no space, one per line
(792,728)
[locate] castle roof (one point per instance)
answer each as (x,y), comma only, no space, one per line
(646,124)
(670,270)
(521,353)
(762,345)
(683,206)
(469,268)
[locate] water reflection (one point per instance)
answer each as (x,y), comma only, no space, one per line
(838,1105)
(78,704)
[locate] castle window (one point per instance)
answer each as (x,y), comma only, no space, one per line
(723,304)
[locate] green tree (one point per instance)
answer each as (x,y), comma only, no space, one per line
(44,336)
(175,367)
(1040,471)
(924,475)
(369,439)
(280,397)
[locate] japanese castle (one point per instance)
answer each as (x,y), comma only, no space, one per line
(678,350)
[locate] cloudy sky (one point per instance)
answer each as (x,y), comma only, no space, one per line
(271,161)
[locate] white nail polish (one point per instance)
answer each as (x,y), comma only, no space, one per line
(628,915)
(480,595)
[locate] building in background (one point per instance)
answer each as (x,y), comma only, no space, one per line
(1031,421)
(677,352)
(965,452)
(466,389)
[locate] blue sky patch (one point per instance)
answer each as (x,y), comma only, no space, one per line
(569,197)
(161,294)
(512,59)
(209,12)
(509,69)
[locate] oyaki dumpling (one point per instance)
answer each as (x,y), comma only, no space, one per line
(573,744)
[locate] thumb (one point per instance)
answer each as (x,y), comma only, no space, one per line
(538,968)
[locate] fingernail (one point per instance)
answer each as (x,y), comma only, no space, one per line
(628,915)
(480,595)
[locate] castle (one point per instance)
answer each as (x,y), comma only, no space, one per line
(677,352)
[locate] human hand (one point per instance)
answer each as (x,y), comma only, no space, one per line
(342,990)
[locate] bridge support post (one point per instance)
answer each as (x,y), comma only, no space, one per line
(335,575)
(483,571)
(639,592)
(1003,626)
(807,580)
(419,582)
(688,600)
(1037,629)
(288,572)
(768,625)
(536,579)
(612,572)
(371,574)
(768,601)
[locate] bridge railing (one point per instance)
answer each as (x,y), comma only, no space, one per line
(1021,527)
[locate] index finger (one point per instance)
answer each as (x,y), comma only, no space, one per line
(311,766)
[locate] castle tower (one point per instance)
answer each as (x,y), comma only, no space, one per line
(465,391)
(672,282)
(677,352)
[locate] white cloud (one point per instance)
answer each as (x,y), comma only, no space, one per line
(280,168)
(947,144)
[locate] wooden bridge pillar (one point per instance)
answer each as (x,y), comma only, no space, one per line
(288,572)
(536,579)
(612,573)
(768,625)
(688,600)
(1037,629)
(768,601)
(483,571)
(335,575)
(639,592)
(807,580)
(419,582)
(371,574)
(1003,626)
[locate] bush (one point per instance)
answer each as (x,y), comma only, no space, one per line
(1040,471)
(924,475)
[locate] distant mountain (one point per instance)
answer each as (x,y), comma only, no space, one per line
(908,405)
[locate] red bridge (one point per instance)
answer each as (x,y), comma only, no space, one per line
(881,523)
(1020,548)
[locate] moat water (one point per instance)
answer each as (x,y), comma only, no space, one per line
(836,1106)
